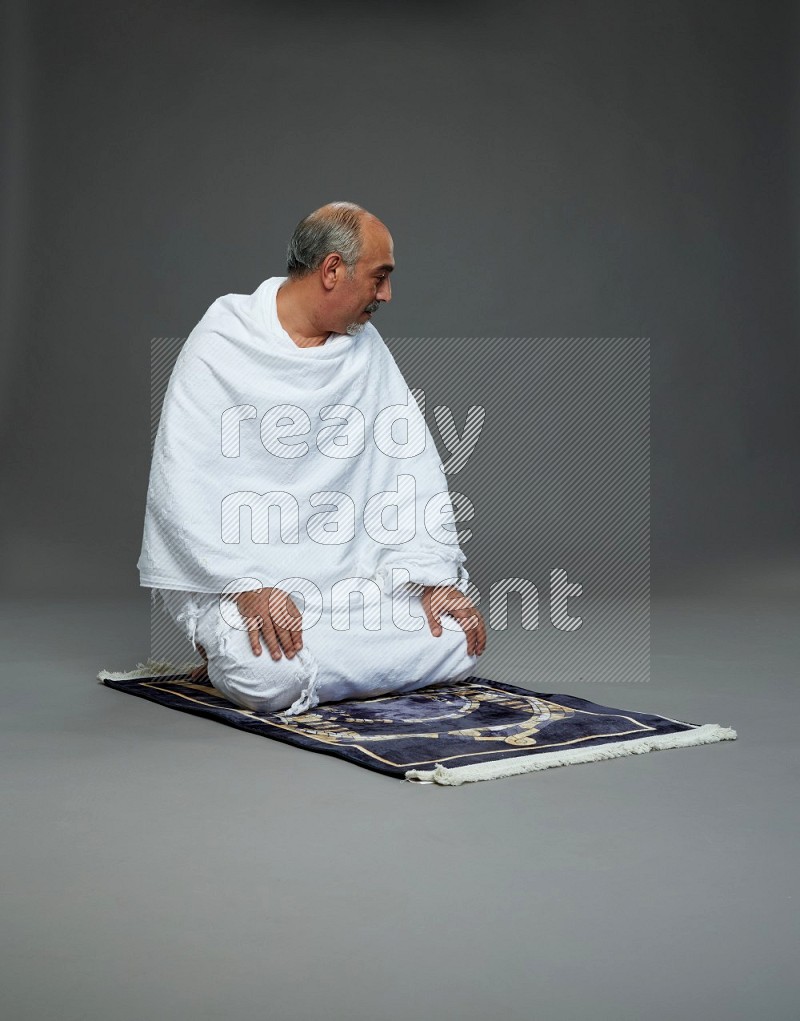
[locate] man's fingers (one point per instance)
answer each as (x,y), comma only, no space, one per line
(255,641)
(470,622)
(287,622)
(461,607)
(481,635)
(253,624)
(271,616)
(431,613)
(259,626)
(475,628)
(270,638)
(285,639)
(296,626)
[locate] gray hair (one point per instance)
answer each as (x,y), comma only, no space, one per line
(335,227)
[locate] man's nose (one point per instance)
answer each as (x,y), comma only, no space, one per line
(385,290)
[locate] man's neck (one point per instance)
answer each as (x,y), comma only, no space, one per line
(295,319)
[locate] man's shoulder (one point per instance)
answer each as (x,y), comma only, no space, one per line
(235,305)
(230,317)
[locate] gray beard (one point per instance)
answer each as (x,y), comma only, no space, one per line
(355,328)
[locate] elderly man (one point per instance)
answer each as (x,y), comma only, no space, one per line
(288,400)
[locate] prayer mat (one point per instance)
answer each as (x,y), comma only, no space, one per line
(473,729)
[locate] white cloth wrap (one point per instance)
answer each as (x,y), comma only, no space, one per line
(236,387)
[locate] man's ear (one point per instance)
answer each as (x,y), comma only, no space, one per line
(331,270)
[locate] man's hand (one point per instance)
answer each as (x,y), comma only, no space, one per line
(437,600)
(270,613)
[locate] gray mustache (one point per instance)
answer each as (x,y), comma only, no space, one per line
(373,307)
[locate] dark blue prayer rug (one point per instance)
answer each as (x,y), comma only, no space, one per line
(474,729)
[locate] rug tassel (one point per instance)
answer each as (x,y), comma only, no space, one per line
(709,733)
(152,668)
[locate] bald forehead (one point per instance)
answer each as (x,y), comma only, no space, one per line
(370,223)
(378,245)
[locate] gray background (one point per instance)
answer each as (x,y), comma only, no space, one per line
(547,169)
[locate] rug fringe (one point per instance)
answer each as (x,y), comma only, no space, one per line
(152,668)
(454,776)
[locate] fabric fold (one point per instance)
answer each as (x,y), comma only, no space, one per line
(309,696)
(275,463)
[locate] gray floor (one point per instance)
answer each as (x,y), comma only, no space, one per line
(157,865)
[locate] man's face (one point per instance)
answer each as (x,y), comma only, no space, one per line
(360,296)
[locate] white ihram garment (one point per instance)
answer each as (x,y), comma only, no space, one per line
(251,419)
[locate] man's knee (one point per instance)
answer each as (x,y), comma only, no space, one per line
(260,683)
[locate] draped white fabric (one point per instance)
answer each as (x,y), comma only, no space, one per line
(330,436)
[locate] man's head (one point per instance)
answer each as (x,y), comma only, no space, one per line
(343,255)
